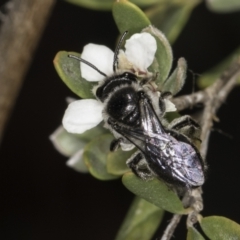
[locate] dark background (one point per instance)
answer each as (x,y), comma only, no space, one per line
(40,197)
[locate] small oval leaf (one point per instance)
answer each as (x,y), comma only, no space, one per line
(69,71)
(209,77)
(93,4)
(144,3)
(77,163)
(66,143)
(193,234)
(220,228)
(129,17)
(171,18)
(177,79)
(116,162)
(95,157)
(93,133)
(141,221)
(155,192)
(223,6)
(106,5)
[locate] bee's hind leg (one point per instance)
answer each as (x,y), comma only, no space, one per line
(139,166)
(187,126)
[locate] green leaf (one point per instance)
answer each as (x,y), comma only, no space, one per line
(177,79)
(223,6)
(213,74)
(69,71)
(155,192)
(93,4)
(93,133)
(163,57)
(144,3)
(141,221)
(106,5)
(170,116)
(66,143)
(77,162)
(129,17)
(71,145)
(217,228)
(116,162)
(95,157)
(193,234)
(170,16)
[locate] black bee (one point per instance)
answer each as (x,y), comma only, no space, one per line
(134,113)
(162,152)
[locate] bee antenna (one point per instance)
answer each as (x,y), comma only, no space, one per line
(115,59)
(87,63)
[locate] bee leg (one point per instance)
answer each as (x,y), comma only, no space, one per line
(139,166)
(161,102)
(187,126)
(115,144)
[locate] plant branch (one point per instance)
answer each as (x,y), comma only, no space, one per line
(189,101)
(217,94)
(20,32)
(171,227)
(212,98)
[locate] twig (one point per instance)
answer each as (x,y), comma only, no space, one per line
(189,101)
(217,94)
(19,34)
(196,205)
(171,227)
(212,98)
(227,80)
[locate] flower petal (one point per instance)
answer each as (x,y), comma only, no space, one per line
(140,50)
(101,57)
(82,115)
(170,107)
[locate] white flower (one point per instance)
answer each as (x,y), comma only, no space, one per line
(140,50)
(82,115)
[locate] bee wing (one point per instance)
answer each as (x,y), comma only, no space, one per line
(135,136)
(149,119)
(169,158)
(150,127)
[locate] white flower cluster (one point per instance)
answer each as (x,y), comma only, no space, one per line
(140,50)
